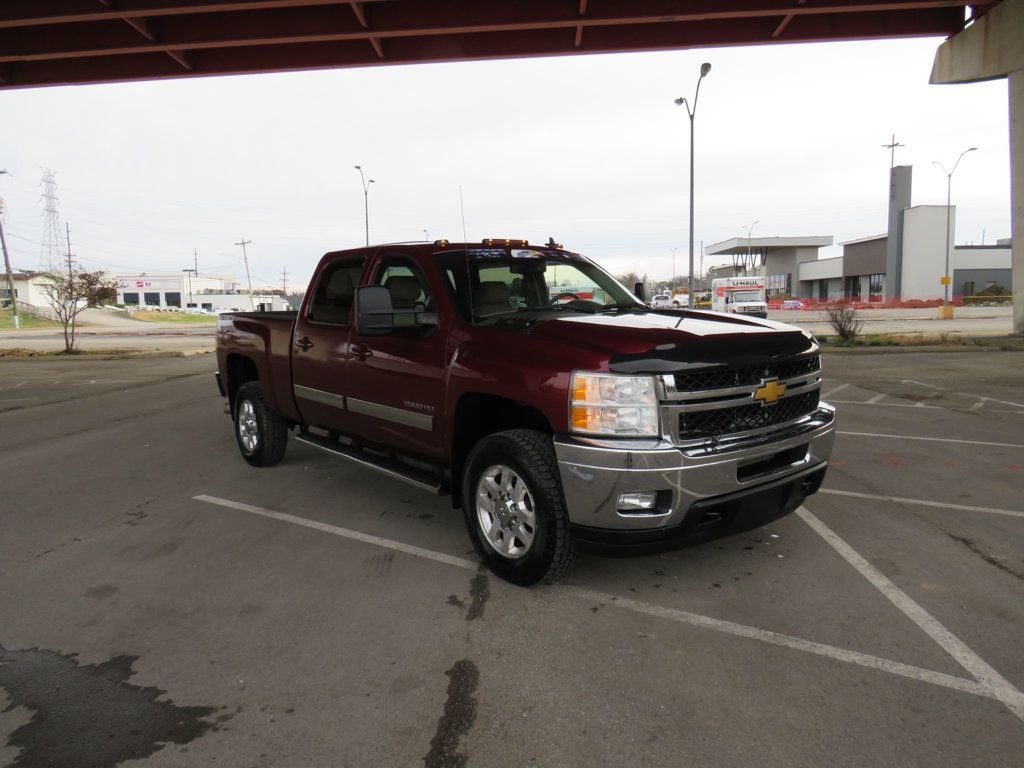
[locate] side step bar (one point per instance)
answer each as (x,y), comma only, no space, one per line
(390,467)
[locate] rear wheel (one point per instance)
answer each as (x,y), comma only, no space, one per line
(262,435)
(515,512)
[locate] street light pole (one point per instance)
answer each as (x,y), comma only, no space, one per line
(366,199)
(692,112)
(949,201)
(750,232)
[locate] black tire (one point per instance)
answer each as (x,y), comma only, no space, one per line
(262,435)
(530,457)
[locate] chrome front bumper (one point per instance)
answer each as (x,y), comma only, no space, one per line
(596,472)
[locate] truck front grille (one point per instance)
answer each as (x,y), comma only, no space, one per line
(716,403)
(745,418)
(692,381)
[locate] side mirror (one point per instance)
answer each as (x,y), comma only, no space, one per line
(638,291)
(374,314)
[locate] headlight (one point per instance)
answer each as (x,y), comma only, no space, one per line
(609,404)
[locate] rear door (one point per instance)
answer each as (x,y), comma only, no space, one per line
(320,344)
(395,384)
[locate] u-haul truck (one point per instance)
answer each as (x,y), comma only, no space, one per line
(739,296)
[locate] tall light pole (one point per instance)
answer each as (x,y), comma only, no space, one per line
(7,268)
(750,231)
(949,199)
(366,199)
(692,111)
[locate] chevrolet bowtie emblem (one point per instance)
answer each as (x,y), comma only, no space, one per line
(769,392)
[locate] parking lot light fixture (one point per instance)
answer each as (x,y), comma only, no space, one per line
(949,200)
(366,199)
(691,111)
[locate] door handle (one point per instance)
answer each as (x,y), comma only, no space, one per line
(361,352)
(305,343)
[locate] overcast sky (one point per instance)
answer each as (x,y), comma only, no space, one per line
(590,150)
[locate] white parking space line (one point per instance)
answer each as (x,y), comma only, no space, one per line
(398,546)
(874,401)
(921,502)
(831,392)
(982,399)
(982,688)
(998,686)
(931,439)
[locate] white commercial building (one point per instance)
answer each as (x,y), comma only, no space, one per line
(188,291)
(907,262)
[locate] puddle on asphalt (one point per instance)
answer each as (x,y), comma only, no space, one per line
(89,716)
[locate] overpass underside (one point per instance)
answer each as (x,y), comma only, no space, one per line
(53,42)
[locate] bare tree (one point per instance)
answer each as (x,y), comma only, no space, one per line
(843,317)
(68,294)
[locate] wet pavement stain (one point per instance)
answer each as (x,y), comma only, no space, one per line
(100,593)
(459,716)
(89,716)
(379,565)
(480,592)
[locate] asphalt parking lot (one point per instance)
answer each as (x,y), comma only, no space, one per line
(163,602)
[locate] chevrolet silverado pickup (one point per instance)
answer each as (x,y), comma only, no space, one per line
(552,405)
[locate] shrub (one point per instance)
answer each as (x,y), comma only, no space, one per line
(843,318)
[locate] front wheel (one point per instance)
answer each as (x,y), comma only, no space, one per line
(515,512)
(262,435)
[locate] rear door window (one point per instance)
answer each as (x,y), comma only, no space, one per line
(335,292)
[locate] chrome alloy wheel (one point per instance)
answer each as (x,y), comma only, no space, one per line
(248,431)
(505,511)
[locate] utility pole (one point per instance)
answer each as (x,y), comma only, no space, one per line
(190,273)
(245,258)
(891,146)
(71,275)
(7,264)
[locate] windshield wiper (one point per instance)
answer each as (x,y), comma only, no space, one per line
(618,307)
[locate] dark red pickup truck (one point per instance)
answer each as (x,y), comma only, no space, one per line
(552,405)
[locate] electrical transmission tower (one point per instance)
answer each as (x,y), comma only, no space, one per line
(50,256)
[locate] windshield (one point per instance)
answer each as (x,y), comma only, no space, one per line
(745,296)
(492,282)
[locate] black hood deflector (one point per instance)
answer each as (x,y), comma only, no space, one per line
(742,350)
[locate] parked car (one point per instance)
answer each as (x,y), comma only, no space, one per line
(661,301)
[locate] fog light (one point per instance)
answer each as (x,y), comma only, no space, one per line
(638,501)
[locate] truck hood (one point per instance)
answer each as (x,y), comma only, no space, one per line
(667,342)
